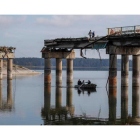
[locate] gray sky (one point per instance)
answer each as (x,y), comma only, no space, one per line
(27,33)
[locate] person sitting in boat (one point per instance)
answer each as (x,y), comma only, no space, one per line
(79,82)
(83,82)
(89,82)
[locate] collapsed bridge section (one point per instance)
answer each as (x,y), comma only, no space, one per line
(63,48)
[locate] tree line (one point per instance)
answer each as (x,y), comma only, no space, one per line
(78,62)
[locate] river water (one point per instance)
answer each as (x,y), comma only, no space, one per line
(24,101)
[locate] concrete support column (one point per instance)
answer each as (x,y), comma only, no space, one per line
(124,104)
(58,96)
(58,71)
(135,76)
(1,68)
(9,68)
(1,93)
(112,71)
(125,70)
(47,100)
(9,93)
(47,71)
(112,105)
(70,98)
(69,70)
(135,102)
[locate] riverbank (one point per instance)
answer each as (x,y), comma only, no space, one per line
(19,70)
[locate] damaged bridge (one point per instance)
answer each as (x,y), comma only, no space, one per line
(122,41)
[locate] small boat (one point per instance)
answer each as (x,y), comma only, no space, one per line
(86,86)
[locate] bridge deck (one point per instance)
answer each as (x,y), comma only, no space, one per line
(120,40)
(75,43)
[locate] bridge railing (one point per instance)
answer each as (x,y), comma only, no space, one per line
(124,30)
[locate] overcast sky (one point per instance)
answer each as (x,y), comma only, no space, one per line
(27,33)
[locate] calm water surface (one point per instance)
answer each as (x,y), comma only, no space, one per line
(23,101)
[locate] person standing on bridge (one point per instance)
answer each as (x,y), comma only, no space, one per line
(112,31)
(90,34)
(93,34)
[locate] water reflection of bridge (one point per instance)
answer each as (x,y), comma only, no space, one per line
(65,114)
(122,41)
(6,105)
(59,112)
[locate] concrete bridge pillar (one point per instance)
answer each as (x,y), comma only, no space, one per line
(135,76)
(69,70)
(1,68)
(125,70)
(47,71)
(1,93)
(135,102)
(58,96)
(9,68)
(124,103)
(70,98)
(58,71)
(112,71)
(59,55)
(9,93)
(69,95)
(47,100)
(112,105)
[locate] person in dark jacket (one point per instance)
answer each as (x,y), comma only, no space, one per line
(79,82)
(93,34)
(89,82)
